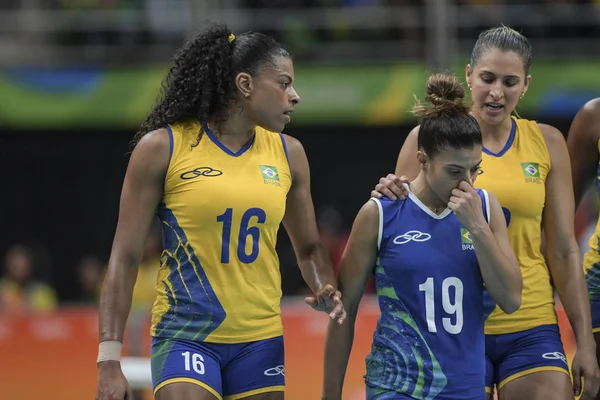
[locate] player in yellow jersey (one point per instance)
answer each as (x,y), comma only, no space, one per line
(211,162)
(583,142)
(526,165)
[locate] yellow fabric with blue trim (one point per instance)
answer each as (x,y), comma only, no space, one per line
(517,176)
(219,279)
(591,263)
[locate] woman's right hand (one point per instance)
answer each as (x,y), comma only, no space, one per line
(112,384)
(391,187)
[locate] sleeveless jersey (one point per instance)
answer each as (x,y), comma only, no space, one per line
(591,261)
(429,341)
(517,177)
(219,279)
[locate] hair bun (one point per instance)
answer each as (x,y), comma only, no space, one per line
(444,95)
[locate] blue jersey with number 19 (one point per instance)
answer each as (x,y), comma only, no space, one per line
(219,278)
(429,341)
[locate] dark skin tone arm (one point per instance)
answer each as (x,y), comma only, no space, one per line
(582,143)
(300,223)
(140,196)
(564,261)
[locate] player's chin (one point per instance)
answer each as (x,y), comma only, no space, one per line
(277,124)
(494,119)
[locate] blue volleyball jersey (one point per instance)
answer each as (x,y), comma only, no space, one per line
(429,340)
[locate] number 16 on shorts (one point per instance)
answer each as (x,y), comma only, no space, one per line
(193,361)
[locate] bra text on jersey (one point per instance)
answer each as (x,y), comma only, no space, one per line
(201,171)
(415,236)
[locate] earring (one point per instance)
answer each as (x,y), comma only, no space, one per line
(522,95)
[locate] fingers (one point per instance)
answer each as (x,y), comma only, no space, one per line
(342,316)
(311,301)
(589,386)
(383,190)
(403,179)
(466,186)
(397,185)
(576,380)
(464,192)
(457,192)
(391,187)
(398,181)
(328,290)
(376,194)
(338,313)
(324,295)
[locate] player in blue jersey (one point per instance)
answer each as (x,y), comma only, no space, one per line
(431,255)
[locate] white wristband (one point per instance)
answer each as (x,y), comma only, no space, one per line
(109,351)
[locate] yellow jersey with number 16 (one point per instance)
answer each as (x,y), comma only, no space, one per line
(517,176)
(219,278)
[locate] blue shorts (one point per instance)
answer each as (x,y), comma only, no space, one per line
(513,355)
(228,371)
(380,394)
(595,307)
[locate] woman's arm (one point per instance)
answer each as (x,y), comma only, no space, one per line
(582,143)
(140,196)
(497,261)
(356,266)
(300,223)
(562,253)
(407,163)
(562,250)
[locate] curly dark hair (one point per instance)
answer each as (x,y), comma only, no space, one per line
(200,82)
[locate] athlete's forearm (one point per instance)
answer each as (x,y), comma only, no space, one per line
(316,268)
(569,281)
(502,277)
(338,345)
(115,301)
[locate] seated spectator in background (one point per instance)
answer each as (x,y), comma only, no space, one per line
(20,292)
(89,274)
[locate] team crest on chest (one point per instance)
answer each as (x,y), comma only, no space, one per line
(466,240)
(270,175)
(531,171)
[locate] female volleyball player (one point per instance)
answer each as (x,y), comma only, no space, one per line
(432,253)
(210,160)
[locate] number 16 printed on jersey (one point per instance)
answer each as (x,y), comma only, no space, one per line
(245,231)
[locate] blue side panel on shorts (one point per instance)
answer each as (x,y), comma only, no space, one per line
(514,353)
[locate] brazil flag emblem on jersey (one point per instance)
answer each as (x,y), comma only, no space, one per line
(531,171)
(465,238)
(269,174)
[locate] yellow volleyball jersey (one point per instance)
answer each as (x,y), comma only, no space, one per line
(219,279)
(591,261)
(517,176)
